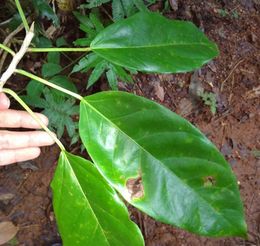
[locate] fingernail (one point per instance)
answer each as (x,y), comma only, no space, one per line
(44,119)
(47,139)
(4,101)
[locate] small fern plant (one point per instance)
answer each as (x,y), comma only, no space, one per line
(120,9)
(92,26)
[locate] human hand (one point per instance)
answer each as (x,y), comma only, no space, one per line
(20,146)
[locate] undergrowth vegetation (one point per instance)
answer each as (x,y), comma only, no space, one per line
(140,151)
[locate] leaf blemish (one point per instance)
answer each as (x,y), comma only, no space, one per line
(209,181)
(135,187)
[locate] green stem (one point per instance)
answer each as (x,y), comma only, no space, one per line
(85,49)
(46,82)
(7,49)
(45,128)
(21,13)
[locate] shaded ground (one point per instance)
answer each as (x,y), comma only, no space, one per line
(233,77)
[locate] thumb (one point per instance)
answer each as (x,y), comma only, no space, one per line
(4,101)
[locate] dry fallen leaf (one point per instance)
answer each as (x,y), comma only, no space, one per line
(159,91)
(186,107)
(6,196)
(174,4)
(7,231)
(195,87)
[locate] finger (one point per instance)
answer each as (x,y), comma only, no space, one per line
(16,140)
(16,118)
(18,155)
(4,101)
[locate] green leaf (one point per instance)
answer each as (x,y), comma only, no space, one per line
(112,78)
(15,22)
(34,88)
(149,42)
(88,211)
(61,41)
(126,8)
(82,42)
(53,57)
(129,7)
(87,62)
(59,110)
(64,82)
(42,42)
(94,3)
(96,22)
(161,164)
(44,10)
(96,73)
(122,74)
(50,69)
(83,19)
(140,5)
(90,31)
(90,25)
(34,91)
(210,100)
(118,10)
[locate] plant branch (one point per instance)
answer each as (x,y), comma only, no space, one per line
(6,22)
(46,82)
(13,33)
(22,15)
(227,78)
(85,49)
(17,57)
(7,49)
(7,41)
(34,116)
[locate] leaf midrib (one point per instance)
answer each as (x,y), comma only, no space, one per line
(154,46)
(87,200)
(162,164)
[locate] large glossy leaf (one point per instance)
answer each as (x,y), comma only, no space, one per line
(149,42)
(161,163)
(87,209)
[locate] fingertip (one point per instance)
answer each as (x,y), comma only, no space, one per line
(46,139)
(4,101)
(11,156)
(43,118)
(36,151)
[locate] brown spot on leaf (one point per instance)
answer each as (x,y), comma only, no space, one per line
(135,187)
(209,181)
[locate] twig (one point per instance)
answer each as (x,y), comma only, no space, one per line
(6,43)
(227,78)
(18,56)
(109,16)
(6,22)
(11,35)
(255,92)
(73,62)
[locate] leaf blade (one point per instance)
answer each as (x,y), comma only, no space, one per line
(134,141)
(134,43)
(50,69)
(100,219)
(96,73)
